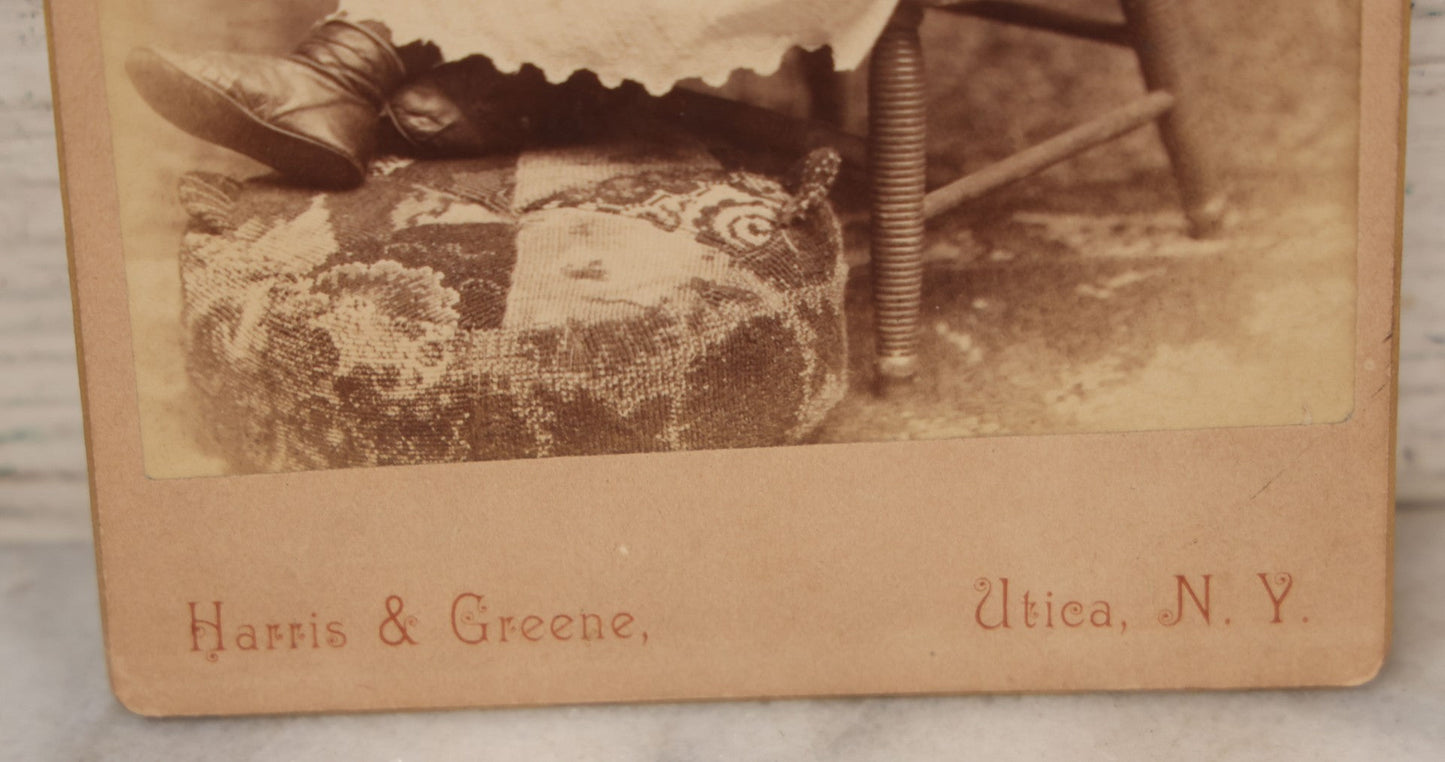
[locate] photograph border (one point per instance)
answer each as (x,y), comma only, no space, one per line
(1220,499)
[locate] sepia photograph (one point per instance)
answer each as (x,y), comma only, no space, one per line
(384,233)
(443,355)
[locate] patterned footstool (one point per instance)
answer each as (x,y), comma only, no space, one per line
(573,301)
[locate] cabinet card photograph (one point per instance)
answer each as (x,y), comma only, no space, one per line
(451,354)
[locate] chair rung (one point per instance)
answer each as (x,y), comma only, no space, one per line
(1048,19)
(1050,152)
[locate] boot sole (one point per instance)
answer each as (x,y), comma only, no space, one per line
(206,112)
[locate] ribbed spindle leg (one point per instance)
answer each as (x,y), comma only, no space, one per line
(897,167)
(1162,42)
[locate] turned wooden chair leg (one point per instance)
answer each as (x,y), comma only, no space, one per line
(1160,34)
(897,169)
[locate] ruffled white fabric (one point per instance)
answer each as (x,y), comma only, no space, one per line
(654,42)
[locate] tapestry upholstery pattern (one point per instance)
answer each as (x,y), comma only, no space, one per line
(577,300)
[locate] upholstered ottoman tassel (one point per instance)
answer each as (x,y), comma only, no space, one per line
(311,115)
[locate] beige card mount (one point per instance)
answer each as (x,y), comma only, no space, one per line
(417,380)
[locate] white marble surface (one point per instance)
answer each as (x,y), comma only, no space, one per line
(1422,288)
(56,704)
